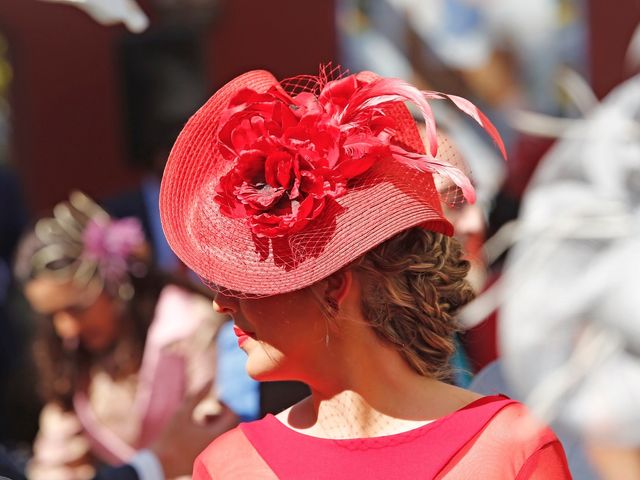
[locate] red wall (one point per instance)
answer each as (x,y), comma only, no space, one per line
(611,25)
(66,100)
(288,37)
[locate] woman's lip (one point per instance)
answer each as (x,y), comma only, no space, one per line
(242,335)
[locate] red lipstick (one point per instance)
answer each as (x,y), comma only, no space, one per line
(241,334)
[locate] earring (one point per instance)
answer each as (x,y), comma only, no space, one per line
(332,307)
(332,303)
(326,335)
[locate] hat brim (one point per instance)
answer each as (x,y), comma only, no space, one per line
(224,252)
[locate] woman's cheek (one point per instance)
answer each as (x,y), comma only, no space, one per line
(265,363)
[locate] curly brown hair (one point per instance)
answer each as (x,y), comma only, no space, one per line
(412,286)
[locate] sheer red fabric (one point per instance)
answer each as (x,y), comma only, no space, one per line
(490,438)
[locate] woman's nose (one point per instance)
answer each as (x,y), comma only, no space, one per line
(225,304)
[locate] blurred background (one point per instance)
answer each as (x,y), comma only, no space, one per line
(88,105)
(93,94)
(97,107)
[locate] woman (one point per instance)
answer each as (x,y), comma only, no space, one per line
(115,364)
(311,206)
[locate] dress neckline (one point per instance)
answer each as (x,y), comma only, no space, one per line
(400,437)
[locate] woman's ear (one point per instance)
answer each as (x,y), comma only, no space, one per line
(338,286)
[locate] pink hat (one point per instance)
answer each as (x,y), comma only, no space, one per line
(272,186)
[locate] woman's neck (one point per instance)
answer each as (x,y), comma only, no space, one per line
(367,389)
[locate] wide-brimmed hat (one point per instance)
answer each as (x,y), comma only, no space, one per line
(272,186)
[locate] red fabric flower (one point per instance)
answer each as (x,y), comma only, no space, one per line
(292,155)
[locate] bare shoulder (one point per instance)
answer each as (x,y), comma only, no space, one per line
(449,400)
(465,396)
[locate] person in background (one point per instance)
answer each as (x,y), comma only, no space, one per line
(171,455)
(120,346)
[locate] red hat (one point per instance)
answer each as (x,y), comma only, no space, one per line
(272,186)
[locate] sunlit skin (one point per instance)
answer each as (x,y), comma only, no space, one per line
(360,385)
(77,315)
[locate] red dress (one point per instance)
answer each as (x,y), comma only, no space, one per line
(487,439)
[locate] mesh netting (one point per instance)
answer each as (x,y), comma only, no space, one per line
(388,198)
(313,83)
